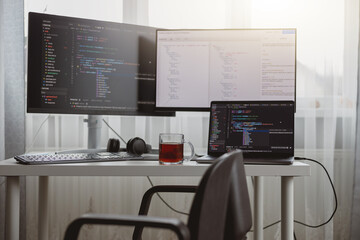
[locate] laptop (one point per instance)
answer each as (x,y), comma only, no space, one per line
(263,130)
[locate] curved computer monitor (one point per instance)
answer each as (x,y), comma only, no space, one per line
(195,67)
(82,66)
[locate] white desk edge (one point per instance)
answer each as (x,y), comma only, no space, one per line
(141,168)
(9,168)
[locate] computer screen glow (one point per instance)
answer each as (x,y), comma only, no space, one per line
(83,66)
(195,67)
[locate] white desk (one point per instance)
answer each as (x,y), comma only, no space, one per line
(10,169)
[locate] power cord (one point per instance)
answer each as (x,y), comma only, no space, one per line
(107,124)
(272,224)
(335,197)
(333,188)
(36,134)
(151,183)
(177,211)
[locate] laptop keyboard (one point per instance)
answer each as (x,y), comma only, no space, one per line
(75,157)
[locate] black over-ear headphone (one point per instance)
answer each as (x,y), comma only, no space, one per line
(135,145)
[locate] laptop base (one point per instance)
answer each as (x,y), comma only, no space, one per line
(260,161)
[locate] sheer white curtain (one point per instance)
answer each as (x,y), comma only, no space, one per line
(327,43)
(2,88)
(2,125)
(12,101)
(326,104)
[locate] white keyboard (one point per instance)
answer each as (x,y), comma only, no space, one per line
(75,157)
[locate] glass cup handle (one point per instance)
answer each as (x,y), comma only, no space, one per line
(192,152)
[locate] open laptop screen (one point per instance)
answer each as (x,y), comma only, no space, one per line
(258,128)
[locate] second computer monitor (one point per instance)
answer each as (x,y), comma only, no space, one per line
(195,67)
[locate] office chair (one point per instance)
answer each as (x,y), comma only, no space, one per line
(220,209)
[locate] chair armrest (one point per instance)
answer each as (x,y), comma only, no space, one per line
(145,202)
(173,224)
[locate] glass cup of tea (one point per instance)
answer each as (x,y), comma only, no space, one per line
(171,148)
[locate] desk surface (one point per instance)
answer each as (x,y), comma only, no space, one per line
(10,167)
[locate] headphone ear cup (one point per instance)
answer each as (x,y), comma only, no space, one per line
(136,146)
(113,145)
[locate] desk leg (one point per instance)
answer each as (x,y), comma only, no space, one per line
(12,222)
(43,208)
(258,208)
(287,208)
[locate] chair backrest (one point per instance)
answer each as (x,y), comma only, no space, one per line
(238,217)
(221,206)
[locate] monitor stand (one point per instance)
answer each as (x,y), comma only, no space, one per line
(94,131)
(94,136)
